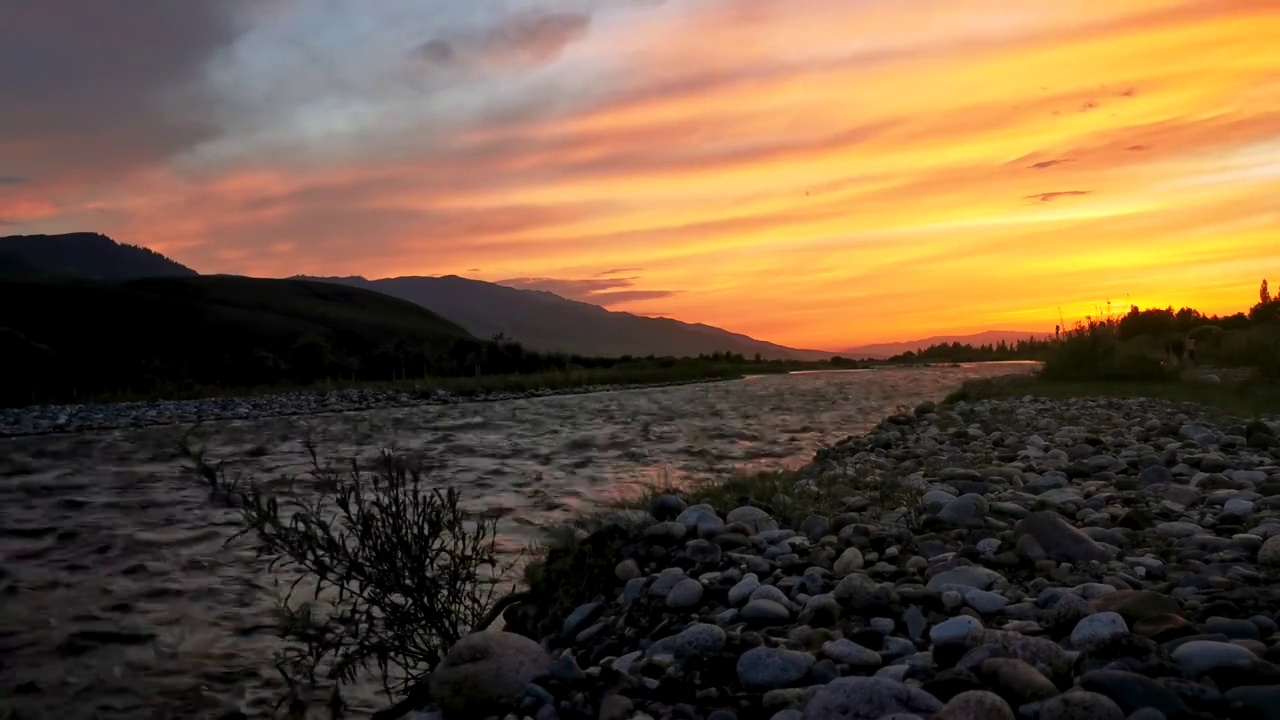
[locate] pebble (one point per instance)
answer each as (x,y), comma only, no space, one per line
(1098,629)
(956,629)
(766,668)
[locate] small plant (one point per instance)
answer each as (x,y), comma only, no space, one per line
(383,572)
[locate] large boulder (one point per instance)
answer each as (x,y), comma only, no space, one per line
(485,672)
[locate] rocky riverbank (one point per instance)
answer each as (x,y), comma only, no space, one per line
(1048,560)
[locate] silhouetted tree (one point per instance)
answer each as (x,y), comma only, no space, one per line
(1264,293)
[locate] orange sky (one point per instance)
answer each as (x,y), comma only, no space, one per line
(819,173)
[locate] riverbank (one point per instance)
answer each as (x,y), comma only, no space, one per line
(1057,559)
(114,555)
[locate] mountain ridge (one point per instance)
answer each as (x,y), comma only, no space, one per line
(546,322)
(84,255)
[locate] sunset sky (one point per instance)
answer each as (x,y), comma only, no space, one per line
(819,173)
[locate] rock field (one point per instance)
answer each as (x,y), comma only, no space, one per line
(1054,560)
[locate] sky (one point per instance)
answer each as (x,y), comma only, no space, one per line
(818,173)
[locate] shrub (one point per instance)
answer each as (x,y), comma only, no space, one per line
(394,570)
(1094,352)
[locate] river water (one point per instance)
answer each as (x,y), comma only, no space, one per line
(120,597)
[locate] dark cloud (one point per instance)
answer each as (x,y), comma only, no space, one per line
(604,292)
(105,82)
(1057,195)
(1138,148)
(518,40)
(11,180)
(438,51)
(1129,92)
(619,271)
(1046,164)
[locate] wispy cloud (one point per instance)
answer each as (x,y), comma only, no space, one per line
(597,291)
(1057,195)
(11,180)
(771,160)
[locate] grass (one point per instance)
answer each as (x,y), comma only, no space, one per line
(1240,398)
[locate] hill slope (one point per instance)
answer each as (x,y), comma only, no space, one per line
(83,255)
(545,322)
(992,337)
(141,335)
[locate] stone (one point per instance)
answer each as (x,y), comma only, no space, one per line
(1059,539)
(626,570)
(766,668)
(1098,629)
(966,576)
(814,527)
(1269,553)
(615,707)
(975,705)
(566,669)
(1016,681)
(955,629)
(1263,700)
(849,561)
(765,612)
(695,640)
(686,594)
(579,618)
(695,515)
(666,580)
(848,652)
(968,511)
(1043,655)
(868,698)
(1080,705)
(1199,657)
(666,507)
(741,592)
(702,551)
(820,611)
(1134,605)
(985,601)
(1154,475)
(486,671)
(1131,691)
(753,517)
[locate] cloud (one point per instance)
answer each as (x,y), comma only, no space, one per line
(1046,164)
(106,85)
(11,180)
(619,271)
(516,41)
(1051,196)
(1138,148)
(597,291)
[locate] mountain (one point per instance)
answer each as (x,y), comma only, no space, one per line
(82,255)
(546,322)
(991,337)
(69,337)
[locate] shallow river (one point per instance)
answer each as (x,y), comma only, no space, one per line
(119,597)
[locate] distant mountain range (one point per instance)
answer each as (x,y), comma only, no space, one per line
(540,320)
(990,337)
(546,322)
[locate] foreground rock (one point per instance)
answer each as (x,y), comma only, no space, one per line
(1090,560)
(486,671)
